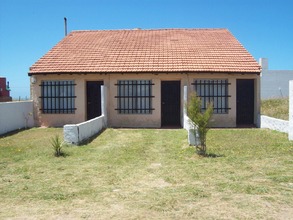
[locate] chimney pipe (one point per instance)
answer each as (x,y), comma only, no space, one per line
(65,25)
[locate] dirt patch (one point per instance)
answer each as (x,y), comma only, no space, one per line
(158,183)
(155,166)
(153,183)
(285,213)
(152,180)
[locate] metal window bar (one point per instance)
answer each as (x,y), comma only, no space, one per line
(57,97)
(215,91)
(135,98)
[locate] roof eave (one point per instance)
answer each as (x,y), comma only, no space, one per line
(146,72)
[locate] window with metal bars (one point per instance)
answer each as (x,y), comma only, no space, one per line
(58,97)
(134,96)
(215,91)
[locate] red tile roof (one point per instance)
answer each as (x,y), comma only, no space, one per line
(163,50)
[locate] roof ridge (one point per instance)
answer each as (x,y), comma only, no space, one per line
(155,29)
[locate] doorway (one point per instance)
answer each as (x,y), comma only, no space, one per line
(170,103)
(93,95)
(245,102)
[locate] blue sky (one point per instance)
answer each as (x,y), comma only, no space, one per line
(29,28)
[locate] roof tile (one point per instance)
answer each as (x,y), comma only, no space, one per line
(163,50)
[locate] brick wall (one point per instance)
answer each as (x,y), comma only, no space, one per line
(4,92)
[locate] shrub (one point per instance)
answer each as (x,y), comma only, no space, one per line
(57,146)
(199,120)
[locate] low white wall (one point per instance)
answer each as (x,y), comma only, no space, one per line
(16,115)
(274,124)
(78,133)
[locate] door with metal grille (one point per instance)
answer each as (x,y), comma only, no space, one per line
(170,103)
(245,102)
(93,94)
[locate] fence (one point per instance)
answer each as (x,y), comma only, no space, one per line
(16,115)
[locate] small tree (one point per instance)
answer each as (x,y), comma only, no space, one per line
(199,120)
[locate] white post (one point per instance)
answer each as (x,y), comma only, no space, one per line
(290,110)
(193,137)
(102,100)
(264,63)
(104,104)
(185,118)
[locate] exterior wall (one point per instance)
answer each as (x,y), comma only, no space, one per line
(58,120)
(136,120)
(5,99)
(229,120)
(15,115)
(133,120)
(274,83)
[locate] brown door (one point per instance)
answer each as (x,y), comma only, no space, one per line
(93,94)
(245,102)
(170,106)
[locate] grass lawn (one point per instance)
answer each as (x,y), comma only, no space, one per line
(147,174)
(276,108)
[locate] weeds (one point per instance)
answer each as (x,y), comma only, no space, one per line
(277,108)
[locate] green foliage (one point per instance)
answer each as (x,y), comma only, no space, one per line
(57,146)
(199,120)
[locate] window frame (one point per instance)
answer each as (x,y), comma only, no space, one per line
(57,96)
(134,96)
(213,90)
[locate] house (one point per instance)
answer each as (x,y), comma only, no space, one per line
(4,90)
(274,83)
(144,73)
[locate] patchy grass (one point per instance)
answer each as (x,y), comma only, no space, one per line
(147,174)
(276,108)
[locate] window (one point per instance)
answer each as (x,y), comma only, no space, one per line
(134,96)
(58,97)
(215,91)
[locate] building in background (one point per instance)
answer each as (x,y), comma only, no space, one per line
(274,83)
(4,90)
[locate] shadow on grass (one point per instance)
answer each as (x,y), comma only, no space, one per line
(91,139)
(11,133)
(62,155)
(210,155)
(203,153)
